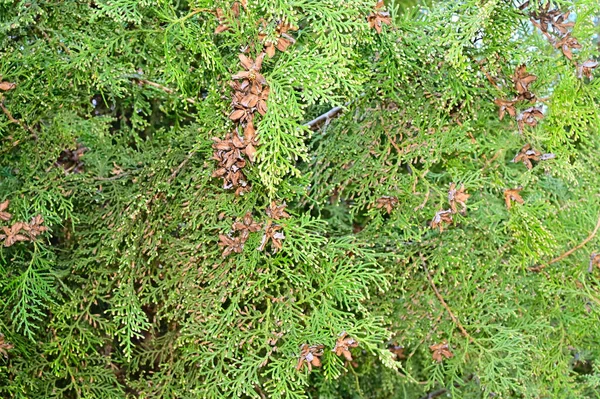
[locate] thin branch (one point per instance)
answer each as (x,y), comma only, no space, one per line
(259,390)
(443,302)
(166,89)
(115,177)
(61,44)
(570,251)
(424,201)
(393,142)
(181,165)
(324,119)
(16,121)
(439,392)
(435,394)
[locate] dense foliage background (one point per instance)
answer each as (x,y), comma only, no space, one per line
(298,198)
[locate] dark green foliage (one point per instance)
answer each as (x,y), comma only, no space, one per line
(128,295)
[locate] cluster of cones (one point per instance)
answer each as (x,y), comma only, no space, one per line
(455,196)
(235,150)
(310,354)
(272,231)
(19,231)
(555,26)
(530,116)
(250,95)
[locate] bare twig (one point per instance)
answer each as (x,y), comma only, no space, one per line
(159,86)
(259,390)
(439,392)
(61,44)
(115,177)
(181,165)
(424,201)
(16,121)
(443,302)
(435,394)
(393,142)
(570,251)
(323,119)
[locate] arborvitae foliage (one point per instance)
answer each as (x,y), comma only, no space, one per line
(298,198)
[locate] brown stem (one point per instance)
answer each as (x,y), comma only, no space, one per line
(324,119)
(16,121)
(181,165)
(443,302)
(259,390)
(442,391)
(160,87)
(570,251)
(393,142)
(61,44)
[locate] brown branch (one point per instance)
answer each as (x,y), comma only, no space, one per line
(115,177)
(443,302)
(61,44)
(324,119)
(181,165)
(259,390)
(439,392)
(570,251)
(435,394)
(424,201)
(166,89)
(16,121)
(393,142)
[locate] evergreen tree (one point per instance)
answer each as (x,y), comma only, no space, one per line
(299,198)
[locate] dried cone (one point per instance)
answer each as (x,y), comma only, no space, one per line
(513,195)
(522,80)
(246,226)
(35,228)
(458,197)
(377,18)
(566,44)
(12,235)
(387,202)
(506,106)
(441,351)
(4,346)
(526,155)
(282,41)
(277,212)
(252,70)
(3,214)
(529,117)
(586,69)
(273,234)
(221,17)
(310,356)
(6,86)
(230,244)
(555,19)
(441,218)
(343,345)
(397,350)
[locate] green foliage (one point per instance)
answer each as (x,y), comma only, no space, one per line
(128,293)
